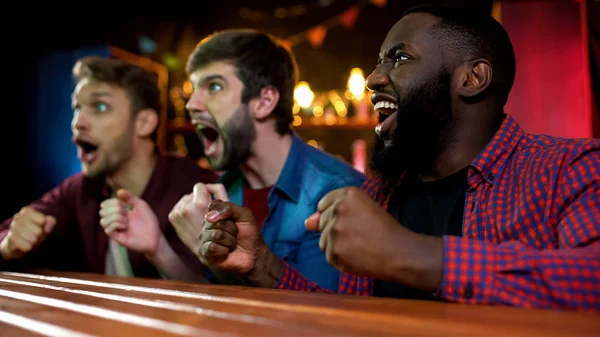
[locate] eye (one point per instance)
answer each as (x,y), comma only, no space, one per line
(400,58)
(214,86)
(102,107)
(76,110)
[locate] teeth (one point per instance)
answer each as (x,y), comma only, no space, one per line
(385,105)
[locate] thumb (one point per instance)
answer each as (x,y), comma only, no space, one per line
(49,223)
(312,222)
(128,197)
(221,210)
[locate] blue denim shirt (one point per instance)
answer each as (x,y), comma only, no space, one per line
(307,176)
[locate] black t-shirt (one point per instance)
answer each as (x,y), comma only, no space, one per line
(431,208)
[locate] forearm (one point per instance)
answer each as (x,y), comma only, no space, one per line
(513,274)
(170,265)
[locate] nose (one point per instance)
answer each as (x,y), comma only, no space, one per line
(378,79)
(80,121)
(196,103)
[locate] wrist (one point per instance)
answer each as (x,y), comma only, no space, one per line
(161,249)
(267,270)
(421,265)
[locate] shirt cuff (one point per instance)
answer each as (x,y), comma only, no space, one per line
(289,277)
(468,270)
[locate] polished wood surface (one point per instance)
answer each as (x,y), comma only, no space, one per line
(68,304)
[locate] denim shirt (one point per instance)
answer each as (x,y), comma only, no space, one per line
(308,175)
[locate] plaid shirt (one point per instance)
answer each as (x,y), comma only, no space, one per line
(531,227)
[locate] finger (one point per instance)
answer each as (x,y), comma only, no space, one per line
(109,203)
(115,217)
(330,198)
(21,244)
(115,227)
(212,251)
(115,208)
(128,198)
(327,218)
(224,225)
(49,224)
(175,209)
(33,215)
(220,210)
(27,235)
(201,196)
(218,191)
(312,222)
(219,237)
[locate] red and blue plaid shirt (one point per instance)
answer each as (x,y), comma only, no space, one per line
(531,227)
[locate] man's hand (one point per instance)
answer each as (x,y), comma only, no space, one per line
(188,214)
(231,241)
(27,230)
(129,221)
(361,238)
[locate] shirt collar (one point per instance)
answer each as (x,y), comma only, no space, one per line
(289,182)
(488,163)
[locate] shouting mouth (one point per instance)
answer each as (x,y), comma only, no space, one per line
(386,108)
(87,151)
(209,136)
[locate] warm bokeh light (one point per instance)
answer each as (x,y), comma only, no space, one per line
(356,83)
(303,95)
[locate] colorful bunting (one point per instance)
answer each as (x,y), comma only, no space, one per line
(316,35)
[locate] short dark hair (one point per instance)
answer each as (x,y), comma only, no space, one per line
(471,34)
(141,84)
(261,61)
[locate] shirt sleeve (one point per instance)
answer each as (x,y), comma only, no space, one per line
(292,279)
(54,202)
(515,274)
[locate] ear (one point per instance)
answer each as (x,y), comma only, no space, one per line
(475,77)
(146,121)
(262,105)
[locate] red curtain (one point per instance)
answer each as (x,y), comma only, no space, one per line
(552,91)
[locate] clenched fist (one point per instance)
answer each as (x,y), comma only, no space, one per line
(361,238)
(231,241)
(188,214)
(27,230)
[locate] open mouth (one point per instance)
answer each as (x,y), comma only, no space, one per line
(385,108)
(209,136)
(88,151)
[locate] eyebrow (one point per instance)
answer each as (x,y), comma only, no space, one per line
(391,51)
(93,95)
(212,77)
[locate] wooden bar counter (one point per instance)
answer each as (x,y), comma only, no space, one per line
(83,305)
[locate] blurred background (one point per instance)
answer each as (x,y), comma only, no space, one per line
(335,42)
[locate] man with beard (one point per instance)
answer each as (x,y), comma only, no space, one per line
(114,126)
(241,108)
(466,207)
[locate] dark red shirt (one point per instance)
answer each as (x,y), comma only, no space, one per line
(530,231)
(257,202)
(78,242)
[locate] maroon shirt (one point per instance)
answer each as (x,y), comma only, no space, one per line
(78,242)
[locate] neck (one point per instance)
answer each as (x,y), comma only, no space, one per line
(134,174)
(267,158)
(462,144)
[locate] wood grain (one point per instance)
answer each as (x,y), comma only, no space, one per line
(59,304)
